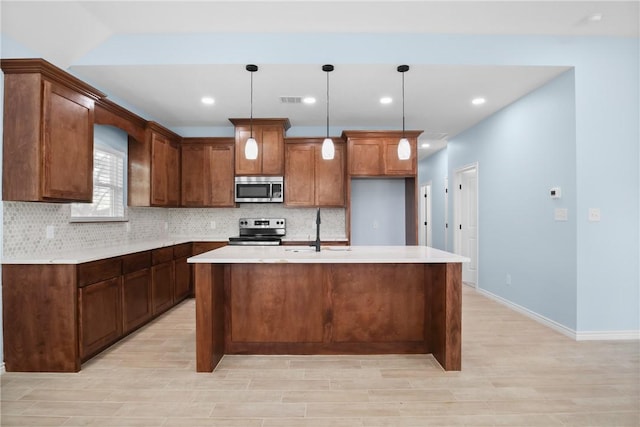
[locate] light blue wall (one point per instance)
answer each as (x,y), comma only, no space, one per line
(435,168)
(522,151)
(377,212)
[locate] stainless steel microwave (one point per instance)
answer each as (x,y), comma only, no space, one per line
(259,189)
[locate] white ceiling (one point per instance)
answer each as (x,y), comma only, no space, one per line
(437,96)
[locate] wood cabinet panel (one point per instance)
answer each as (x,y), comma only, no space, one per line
(97,271)
(269,135)
(100,316)
(47,133)
(165,171)
(136,299)
(202,247)
(330,177)
(375,153)
(311,180)
(208,172)
(182,286)
(136,261)
(300,177)
(39,314)
(161,287)
(365,157)
(161,255)
(182,250)
(389,309)
(154,168)
(67,144)
(271,304)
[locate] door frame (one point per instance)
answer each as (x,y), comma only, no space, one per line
(425,190)
(457,214)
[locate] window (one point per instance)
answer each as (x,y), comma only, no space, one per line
(108,189)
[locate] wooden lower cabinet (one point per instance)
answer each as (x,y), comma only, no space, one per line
(136,299)
(63,314)
(161,287)
(182,286)
(100,313)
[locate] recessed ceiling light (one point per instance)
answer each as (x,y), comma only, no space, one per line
(426,145)
(478,101)
(386,100)
(207,100)
(309,100)
(595,17)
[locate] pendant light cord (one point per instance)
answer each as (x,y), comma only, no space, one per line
(403,69)
(251,112)
(327,104)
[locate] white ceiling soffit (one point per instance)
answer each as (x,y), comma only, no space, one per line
(452,17)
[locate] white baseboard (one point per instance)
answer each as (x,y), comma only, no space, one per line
(530,314)
(577,336)
(607,335)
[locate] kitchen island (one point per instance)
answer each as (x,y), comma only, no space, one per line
(341,300)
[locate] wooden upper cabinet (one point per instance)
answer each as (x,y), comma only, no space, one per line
(375,153)
(47,133)
(309,179)
(207,172)
(154,168)
(269,134)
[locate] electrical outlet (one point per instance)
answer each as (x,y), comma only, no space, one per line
(594,214)
(166,226)
(128,227)
(508,279)
(212,225)
(376,225)
(50,230)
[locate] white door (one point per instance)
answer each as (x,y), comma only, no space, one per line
(424,236)
(466,213)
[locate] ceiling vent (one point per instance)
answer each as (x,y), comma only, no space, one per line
(291,100)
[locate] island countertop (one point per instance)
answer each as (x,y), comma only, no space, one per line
(327,255)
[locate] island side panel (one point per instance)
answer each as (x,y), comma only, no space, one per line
(210,284)
(379,303)
(40,317)
(443,319)
(274,304)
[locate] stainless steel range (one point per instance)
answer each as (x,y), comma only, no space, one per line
(260,232)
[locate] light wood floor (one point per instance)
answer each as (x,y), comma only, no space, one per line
(515,373)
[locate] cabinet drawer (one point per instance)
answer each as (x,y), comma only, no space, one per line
(97,271)
(182,251)
(135,262)
(161,255)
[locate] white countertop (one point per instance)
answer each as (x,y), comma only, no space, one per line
(328,255)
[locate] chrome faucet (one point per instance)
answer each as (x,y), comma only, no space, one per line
(317,242)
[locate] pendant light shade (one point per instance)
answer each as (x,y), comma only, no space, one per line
(404,148)
(251,146)
(328,149)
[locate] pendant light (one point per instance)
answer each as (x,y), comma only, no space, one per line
(404,148)
(328,149)
(251,146)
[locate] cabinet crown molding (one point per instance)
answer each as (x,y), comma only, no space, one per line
(380,134)
(51,72)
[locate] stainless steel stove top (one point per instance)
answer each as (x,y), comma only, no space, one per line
(259,232)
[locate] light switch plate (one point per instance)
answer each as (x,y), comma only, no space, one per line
(561,214)
(594,214)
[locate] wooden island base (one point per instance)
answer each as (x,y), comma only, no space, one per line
(287,308)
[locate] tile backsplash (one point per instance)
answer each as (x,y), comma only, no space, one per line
(25,225)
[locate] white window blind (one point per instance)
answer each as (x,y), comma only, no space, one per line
(108,189)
